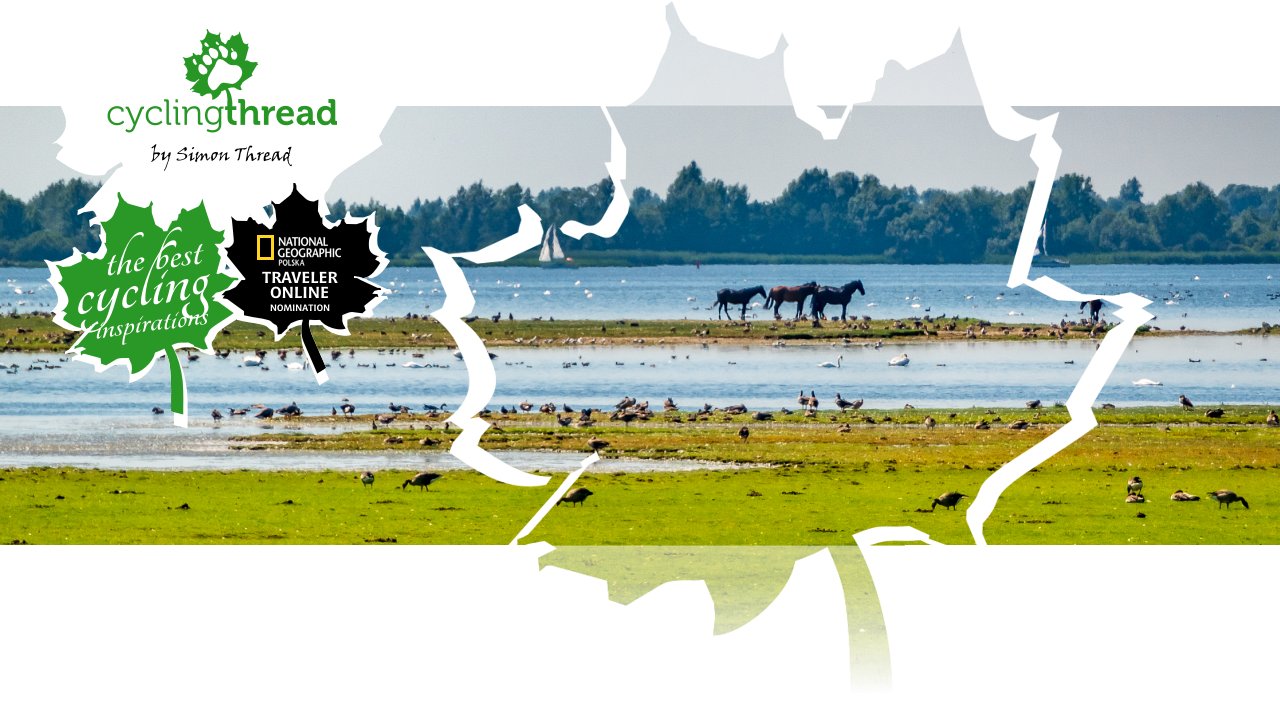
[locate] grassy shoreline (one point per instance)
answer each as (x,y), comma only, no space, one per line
(38,333)
(800,481)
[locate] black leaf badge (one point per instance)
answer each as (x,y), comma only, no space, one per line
(301,270)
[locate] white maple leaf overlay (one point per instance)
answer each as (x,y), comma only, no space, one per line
(1045,154)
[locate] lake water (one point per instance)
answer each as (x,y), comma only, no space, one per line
(1223,297)
(1232,369)
(57,410)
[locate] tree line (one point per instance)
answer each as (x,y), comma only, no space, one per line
(819,213)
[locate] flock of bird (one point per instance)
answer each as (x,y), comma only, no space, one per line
(629,409)
(1224,497)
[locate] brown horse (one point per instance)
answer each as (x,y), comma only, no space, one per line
(788,294)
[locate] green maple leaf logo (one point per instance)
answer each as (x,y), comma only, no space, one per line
(147,291)
(219,66)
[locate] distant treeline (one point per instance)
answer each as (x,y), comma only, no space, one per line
(842,215)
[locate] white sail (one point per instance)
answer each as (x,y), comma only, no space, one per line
(556,252)
(545,255)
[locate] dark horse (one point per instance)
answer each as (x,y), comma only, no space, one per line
(743,296)
(787,294)
(832,295)
(1095,305)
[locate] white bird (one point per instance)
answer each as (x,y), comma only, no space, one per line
(832,365)
(1147,382)
(900,361)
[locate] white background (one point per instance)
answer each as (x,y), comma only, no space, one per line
(447,624)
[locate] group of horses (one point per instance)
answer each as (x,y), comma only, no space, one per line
(819,296)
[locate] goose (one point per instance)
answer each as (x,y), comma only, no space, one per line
(347,409)
(982,425)
(929,422)
(1135,499)
(1272,419)
(421,479)
(1018,425)
(1135,485)
(900,361)
(1033,404)
(843,404)
(948,500)
(264,414)
(1186,402)
(832,365)
(216,415)
(238,411)
(744,432)
(669,405)
(1214,413)
(1181,495)
(596,444)
(575,497)
(366,478)
(156,411)
(1222,496)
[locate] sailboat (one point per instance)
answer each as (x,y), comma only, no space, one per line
(551,254)
(1042,258)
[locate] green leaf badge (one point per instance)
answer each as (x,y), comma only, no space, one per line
(219,66)
(146,292)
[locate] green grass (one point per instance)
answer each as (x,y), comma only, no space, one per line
(49,505)
(797,483)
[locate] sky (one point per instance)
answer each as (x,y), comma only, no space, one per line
(924,127)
